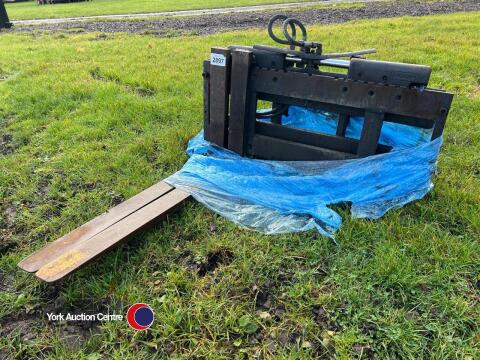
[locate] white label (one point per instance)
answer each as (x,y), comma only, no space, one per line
(218,59)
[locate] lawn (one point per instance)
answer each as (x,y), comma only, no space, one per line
(89,120)
(30,9)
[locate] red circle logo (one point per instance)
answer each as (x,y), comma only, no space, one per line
(140,316)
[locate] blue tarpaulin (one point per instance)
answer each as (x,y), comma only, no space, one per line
(291,196)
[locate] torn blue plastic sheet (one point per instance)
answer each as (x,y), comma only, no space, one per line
(290,196)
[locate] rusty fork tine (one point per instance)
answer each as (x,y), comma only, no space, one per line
(55,249)
(88,249)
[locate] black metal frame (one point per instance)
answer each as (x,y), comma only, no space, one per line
(377,91)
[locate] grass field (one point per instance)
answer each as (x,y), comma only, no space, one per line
(30,9)
(88,120)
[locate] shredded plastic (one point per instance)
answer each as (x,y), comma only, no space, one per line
(290,196)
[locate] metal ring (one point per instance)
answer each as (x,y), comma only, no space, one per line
(273,36)
(293,23)
(278,110)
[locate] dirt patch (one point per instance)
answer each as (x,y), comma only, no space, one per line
(213,228)
(43,187)
(6,282)
(209,24)
(116,199)
(288,338)
(473,293)
(294,336)
(214,260)
(6,146)
(266,305)
(25,327)
(9,213)
(6,246)
(321,317)
(369,328)
(363,351)
(29,323)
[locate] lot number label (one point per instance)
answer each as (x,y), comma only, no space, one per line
(218,59)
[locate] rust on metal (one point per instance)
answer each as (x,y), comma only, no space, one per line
(85,250)
(93,227)
(61,264)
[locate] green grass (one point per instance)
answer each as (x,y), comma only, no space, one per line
(406,286)
(30,9)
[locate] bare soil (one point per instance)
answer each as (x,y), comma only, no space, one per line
(208,24)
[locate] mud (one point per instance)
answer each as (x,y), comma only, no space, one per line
(29,323)
(321,317)
(214,260)
(6,246)
(6,281)
(6,147)
(209,24)
(363,351)
(116,199)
